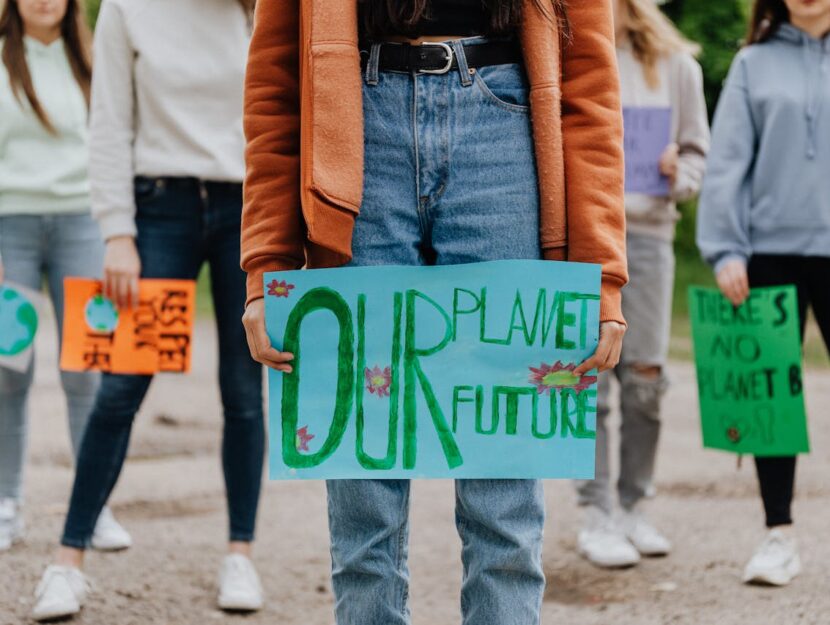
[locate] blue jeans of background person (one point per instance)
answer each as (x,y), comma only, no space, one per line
(182,223)
(59,246)
(450,178)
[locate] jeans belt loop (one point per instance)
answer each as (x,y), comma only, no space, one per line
(373,64)
(461,58)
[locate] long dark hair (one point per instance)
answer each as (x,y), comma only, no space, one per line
(77,41)
(402,16)
(767,17)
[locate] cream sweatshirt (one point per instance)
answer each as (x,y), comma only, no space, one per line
(166,99)
(43,173)
(681,89)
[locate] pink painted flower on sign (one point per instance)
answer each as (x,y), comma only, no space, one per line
(279,288)
(378,381)
(557,376)
(303,438)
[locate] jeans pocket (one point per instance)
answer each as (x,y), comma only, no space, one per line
(505,86)
(147,189)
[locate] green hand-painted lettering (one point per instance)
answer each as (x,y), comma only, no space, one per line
(365,460)
(313,300)
(413,374)
(511,415)
(457,312)
(457,399)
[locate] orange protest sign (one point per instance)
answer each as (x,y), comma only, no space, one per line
(153,337)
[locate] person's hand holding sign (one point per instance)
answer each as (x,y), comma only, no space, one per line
(669,161)
(608,351)
(733,281)
(258,341)
(122,267)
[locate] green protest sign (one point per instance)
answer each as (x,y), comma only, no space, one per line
(749,371)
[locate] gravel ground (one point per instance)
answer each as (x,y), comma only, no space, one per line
(171,498)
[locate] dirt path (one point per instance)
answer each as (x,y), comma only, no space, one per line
(170,497)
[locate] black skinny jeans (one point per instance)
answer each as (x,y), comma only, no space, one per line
(182,223)
(809,274)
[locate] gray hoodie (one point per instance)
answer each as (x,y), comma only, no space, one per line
(767,184)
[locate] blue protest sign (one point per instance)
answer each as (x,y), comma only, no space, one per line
(647,134)
(461,371)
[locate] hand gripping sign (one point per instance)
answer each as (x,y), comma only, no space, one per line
(153,337)
(461,371)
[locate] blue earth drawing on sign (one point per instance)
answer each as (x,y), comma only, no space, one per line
(18,322)
(101,314)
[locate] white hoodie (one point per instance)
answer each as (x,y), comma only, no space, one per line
(166,99)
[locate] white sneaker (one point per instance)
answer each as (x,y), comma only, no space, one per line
(646,538)
(602,543)
(109,535)
(775,562)
(11,524)
(61,592)
(239,587)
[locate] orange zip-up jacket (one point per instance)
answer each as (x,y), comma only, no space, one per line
(304,125)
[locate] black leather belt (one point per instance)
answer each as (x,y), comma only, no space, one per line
(440,58)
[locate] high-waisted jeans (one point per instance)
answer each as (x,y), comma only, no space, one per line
(450,178)
(182,223)
(31,246)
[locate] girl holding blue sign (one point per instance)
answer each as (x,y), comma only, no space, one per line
(764,217)
(166,169)
(45,225)
(665,110)
(407,139)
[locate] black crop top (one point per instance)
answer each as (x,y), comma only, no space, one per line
(454,17)
(444,17)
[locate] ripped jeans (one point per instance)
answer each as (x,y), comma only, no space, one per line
(641,375)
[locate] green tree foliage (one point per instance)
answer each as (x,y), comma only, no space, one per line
(719,27)
(92,8)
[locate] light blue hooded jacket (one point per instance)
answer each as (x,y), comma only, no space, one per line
(767,184)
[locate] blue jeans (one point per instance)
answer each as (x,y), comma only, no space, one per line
(182,223)
(450,178)
(60,246)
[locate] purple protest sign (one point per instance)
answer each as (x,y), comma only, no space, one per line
(647,133)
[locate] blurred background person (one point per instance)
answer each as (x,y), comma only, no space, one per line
(657,69)
(764,215)
(166,170)
(45,226)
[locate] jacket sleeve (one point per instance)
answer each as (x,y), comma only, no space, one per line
(592,132)
(112,125)
(273,231)
(693,129)
(723,210)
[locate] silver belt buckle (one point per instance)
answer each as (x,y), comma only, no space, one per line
(450,56)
